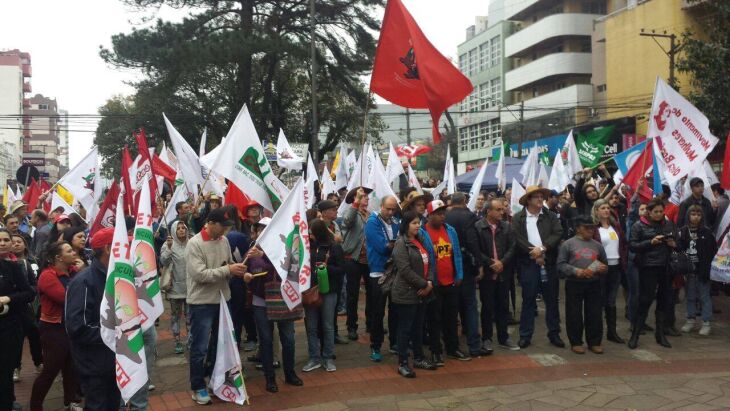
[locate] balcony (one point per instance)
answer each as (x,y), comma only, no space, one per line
(514,7)
(26,103)
(27,88)
(557,25)
(27,71)
(568,97)
(556,64)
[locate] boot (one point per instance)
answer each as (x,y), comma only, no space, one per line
(271,385)
(611,334)
(661,339)
(636,331)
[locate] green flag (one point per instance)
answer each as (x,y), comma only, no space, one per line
(592,144)
(497,151)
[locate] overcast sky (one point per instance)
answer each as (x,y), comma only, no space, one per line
(63,38)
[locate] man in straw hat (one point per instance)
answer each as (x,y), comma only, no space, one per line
(538,233)
(416,202)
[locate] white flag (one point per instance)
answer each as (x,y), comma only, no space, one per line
(571,159)
(203,141)
(559,178)
(342,172)
(286,243)
(517,192)
(226,380)
(57,201)
(530,168)
(242,160)
(542,177)
(477,187)
(187,160)
(328,186)
(309,185)
(145,262)
(413,180)
(181,193)
(710,173)
(501,173)
(119,315)
(380,185)
(351,162)
(394,169)
(285,155)
(356,180)
(681,133)
(80,180)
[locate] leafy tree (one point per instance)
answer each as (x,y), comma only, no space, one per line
(225,54)
(706,57)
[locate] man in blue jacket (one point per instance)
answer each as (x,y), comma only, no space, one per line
(381,230)
(94,361)
(442,243)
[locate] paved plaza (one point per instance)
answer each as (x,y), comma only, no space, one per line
(693,375)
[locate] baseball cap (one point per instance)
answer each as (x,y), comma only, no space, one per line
(60,218)
(326,205)
(435,206)
(219,216)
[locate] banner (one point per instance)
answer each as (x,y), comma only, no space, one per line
(80,180)
(477,187)
(119,316)
(684,133)
(226,381)
(145,262)
(592,144)
(286,243)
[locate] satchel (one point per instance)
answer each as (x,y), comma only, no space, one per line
(680,264)
(312,297)
(276,308)
(386,280)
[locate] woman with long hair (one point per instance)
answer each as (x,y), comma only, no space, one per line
(59,262)
(653,239)
(15,294)
(173,253)
(30,327)
(76,238)
(325,255)
(611,236)
(410,292)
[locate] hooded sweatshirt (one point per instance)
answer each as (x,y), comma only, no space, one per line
(176,257)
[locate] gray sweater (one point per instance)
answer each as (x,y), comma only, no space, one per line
(206,263)
(575,254)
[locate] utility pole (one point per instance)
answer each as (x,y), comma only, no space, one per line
(522,128)
(314,141)
(674,49)
(408,126)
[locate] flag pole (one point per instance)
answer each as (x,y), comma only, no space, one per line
(364,132)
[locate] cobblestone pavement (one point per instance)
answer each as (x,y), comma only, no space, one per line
(693,375)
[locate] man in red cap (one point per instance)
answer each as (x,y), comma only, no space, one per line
(95,362)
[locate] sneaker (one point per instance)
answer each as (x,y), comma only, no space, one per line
(39,368)
(437,360)
(74,406)
(17,406)
(179,348)
(249,346)
(151,387)
(16,375)
(329,365)
(509,345)
(375,355)
(311,366)
(424,364)
(352,335)
(458,355)
(341,312)
(393,349)
(487,346)
(341,340)
(706,328)
(689,325)
(201,397)
(406,371)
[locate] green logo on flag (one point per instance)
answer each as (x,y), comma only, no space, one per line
(592,145)
(252,162)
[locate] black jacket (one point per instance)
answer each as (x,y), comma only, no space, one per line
(503,240)
(706,249)
(550,229)
(648,255)
(335,264)
(463,220)
(14,284)
(83,301)
(410,276)
(708,212)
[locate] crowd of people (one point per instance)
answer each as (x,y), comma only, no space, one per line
(433,267)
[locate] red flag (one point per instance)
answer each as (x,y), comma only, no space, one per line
(163,170)
(108,209)
(145,166)
(32,193)
(236,197)
(413,150)
(639,170)
(725,178)
(45,188)
(128,193)
(410,72)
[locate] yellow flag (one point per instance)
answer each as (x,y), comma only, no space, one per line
(335,164)
(65,194)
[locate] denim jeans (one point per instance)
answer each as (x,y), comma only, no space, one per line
(312,318)
(698,290)
(266,341)
(468,301)
(410,330)
(139,400)
(531,286)
(203,340)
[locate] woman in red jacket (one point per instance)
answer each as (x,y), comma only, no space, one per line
(59,265)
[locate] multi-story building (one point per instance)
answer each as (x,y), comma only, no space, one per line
(15,73)
(481,59)
(43,149)
(549,82)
